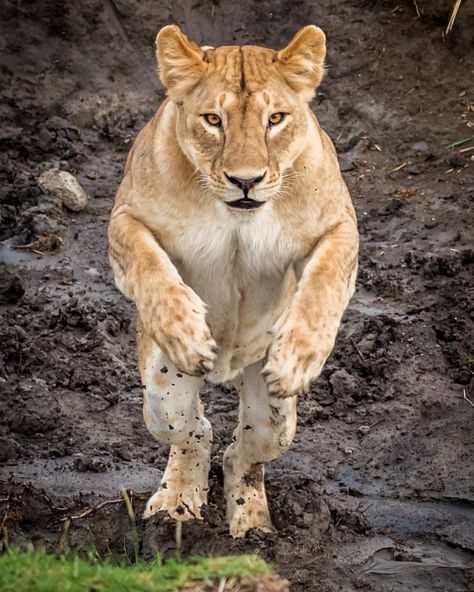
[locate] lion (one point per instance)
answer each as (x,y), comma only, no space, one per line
(234,234)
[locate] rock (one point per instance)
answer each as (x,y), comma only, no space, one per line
(11,286)
(65,187)
(31,423)
(88,463)
(419,146)
(44,225)
(123,453)
(8,449)
(346,164)
(344,384)
(43,218)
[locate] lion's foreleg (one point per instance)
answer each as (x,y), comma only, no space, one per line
(173,414)
(304,335)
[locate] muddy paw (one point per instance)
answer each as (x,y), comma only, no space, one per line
(246,513)
(295,357)
(176,318)
(182,503)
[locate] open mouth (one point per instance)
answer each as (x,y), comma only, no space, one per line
(245,203)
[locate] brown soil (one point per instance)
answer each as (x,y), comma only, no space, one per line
(377,491)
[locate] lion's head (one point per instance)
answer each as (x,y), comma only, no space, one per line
(242,112)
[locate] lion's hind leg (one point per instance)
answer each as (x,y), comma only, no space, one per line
(173,414)
(266,429)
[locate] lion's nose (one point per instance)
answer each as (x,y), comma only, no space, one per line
(245,184)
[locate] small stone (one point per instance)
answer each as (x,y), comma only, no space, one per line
(112,398)
(123,453)
(43,225)
(419,146)
(364,429)
(348,451)
(431,223)
(346,164)
(65,187)
(86,463)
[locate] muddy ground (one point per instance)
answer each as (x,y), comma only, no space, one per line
(377,490)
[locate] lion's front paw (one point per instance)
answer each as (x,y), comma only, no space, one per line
(295,357)
(176,318)
(181,502)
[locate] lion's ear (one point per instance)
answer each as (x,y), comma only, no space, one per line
(180,61)
(302,61)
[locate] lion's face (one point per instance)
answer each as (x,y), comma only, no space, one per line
(242,111)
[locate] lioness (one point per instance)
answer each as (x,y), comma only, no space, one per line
(234,234)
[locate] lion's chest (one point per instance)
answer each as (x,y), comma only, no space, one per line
(242,269)
(232,252)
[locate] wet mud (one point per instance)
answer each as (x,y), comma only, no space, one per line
(377,490)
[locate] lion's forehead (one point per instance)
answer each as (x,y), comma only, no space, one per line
(247,69)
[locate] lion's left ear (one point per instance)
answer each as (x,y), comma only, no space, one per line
(302,61)
(180,61)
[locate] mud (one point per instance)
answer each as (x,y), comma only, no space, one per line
(377,491)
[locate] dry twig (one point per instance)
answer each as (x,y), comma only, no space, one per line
(359,353)
(89,511)
(400,167)
(418,13)
(452,18)
(464,396)
(44,243)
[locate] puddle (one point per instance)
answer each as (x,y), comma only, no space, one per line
(59,480)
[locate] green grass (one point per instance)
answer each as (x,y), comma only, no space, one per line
(38,571)
(457,143)
(470,359)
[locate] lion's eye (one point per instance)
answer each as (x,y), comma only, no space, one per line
(276,118)
(213,119)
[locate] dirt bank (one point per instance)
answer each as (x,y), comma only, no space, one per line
(377,491)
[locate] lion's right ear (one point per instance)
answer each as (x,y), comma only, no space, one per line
(180,61)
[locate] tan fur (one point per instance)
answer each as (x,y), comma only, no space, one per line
(223,291)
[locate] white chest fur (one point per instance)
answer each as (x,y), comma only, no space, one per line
(234,249)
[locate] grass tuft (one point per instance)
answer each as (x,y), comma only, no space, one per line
(470,359)
(38,571)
